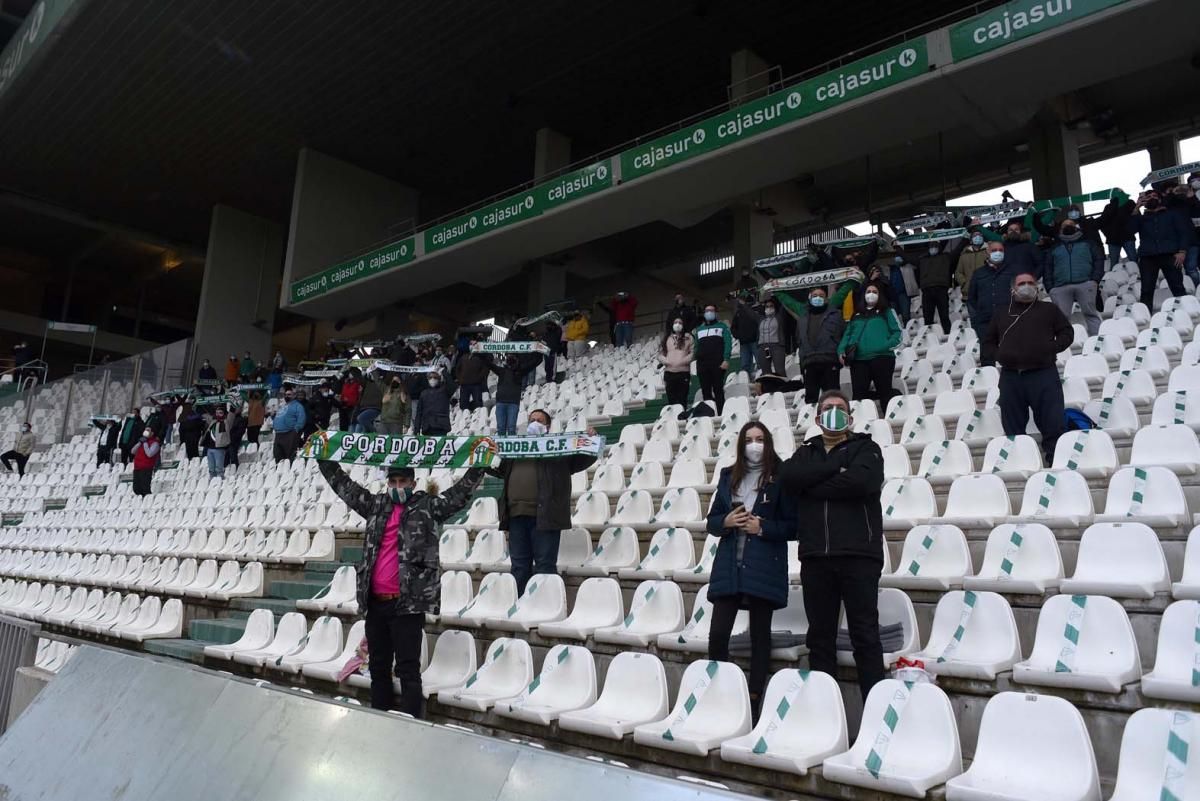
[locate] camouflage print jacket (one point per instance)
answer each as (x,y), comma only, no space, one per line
(420,586)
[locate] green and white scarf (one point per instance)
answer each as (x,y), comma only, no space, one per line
(932,236)
(538,319)
(550,446)
(383,450)
(792,283)
(1170,172)
(509,347)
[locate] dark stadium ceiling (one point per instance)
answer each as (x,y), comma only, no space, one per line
(151,111)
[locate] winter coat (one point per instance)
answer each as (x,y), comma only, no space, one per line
(872,333)
(714,344)
(624,310)
(553,489)
(819,332)
(684,312)
(396,409)
(191,427)
(256,412)
(938,271)
(577,329)
(744,327)
(510,385)
(417,549)
(1073,263)
(837,497)
(217,435)
(1114,221)
(434,410)
(371,397)
(145,454)
(969,261)
(208,373)
(131,429)
(1161,232)
(24,443)
(677,359)
(990,288)
(291,417)
(758,565)
(1026,336)
(231,371)
(1022,256)
(472,369)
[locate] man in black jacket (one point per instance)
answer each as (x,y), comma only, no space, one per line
(535,504)
(107,441)
(434,415)
(682,310)
(1025,337)
(836,479)
(472,376)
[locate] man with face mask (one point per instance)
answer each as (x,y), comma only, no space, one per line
(1073,269)
(107,441)
(288,424)
(1182,200)
(683,311)
(145,459)
(820,325)
(744,328)
(1020,253)
(130,430)
(472,378)
(434,408)
(990,287)
(216,443)
(714,344)
(207,372)
(973,257)
(771,338)
(1163,238)
(20,452)
(535,504)
(1024,337)
(902,276)
(936,271)
(398,577)
(835,479)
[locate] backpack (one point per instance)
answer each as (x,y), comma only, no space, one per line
(1078,421)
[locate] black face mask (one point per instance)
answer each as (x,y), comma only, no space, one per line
(1153,203)
(1069,230)
(1013,236)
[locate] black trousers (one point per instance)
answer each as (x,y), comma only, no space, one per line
(724,612)
(936,298)
(395,639)
(252,433)
(829,582)
(877,372)
(676,385)
(1039,390)
(103,455)
(141,481)
(127,453)
(820,377)
(8,457)
(285,445)
(191,447)
(712,384)
(1148,268)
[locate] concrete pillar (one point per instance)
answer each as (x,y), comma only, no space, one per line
(552,152)
(239,294)
(753,238)
(1164,152)
(339,211)
(547,283)
(748,76)
(1053,158)
(392,321)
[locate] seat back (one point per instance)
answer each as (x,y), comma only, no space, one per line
(634,686)
(981,425)
(1104,641)
(908,498)
(679,505)
(656,451)
(598,602)
(1091,449)
(918,725)
(1124,553)
(712,696)
(922,429)
(591,509)
(1175,656)
(1061,493)
(670,549)
(635,507)
(1021,551)
(937,551)
(948,458)
(618,547)
(688,473)
(1012,454)
(453,545)
(657,607)
(1145,490)
(1168,445)
(989,633)
(648,475)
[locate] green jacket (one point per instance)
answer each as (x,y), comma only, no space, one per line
(395,409)
(873,334)
(714,343)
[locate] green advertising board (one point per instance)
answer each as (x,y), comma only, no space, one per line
(35,31)
(830,89)
(1017,20)
(356,269)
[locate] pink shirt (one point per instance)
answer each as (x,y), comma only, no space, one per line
(385,578)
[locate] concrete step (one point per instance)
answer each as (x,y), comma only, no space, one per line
(187,650)
(351,554)
(296,590)
(218,630)
(280,606)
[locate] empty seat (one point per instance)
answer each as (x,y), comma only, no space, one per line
(1121,560)
(609,479)
(896,461)
(690,473)
(647,476)
(1189,584)
(680,507)
(506,671)
(488,549)
(694,635)
(544,601)
(907,502)
(952,405)
(1150,358)
(452,548)
(973,636)
(907,741)
(339,596)
(634,508)
(979,427)
(1090,453)
(670,549)
(932,558)
(1154,764)
(1019,558)
(617,548)
(574,547)
(567,683)
(942,462)
(1010,765)
(895,608)
(1175,670)
(701,572)
(323,643)
(1117,416)
(1185,378)
(1083,642)
(452,663)
(920,431)
(1174,447)
(979,500)
(497,594)
(1056,498)
(291,630)
(598,604)
(635,692)
(483,514)
(1011,458)
(331,668)
(712,706)
(1151,495)
(591,510)
(657,608)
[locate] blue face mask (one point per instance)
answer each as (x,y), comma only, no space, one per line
(1073,215)
(399,494)
(710,316)
(817,302)
(977,240)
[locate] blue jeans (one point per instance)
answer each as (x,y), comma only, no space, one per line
(365,423)
(531,549)
(470,396)
(903,307)
(624,333)
(506,418)
(1191,264)
(216,462)
(749,348)
(1114,251)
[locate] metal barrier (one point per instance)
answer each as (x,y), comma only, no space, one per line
(18,647)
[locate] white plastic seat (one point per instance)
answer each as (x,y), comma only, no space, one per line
(1177,408)
(497,594)
(803,723)
(1166,338)
(1122,327)
(249,584)
(1150,358)
(488,549)
(567,683)
(634,508)
(575,545)
(656,451)
(953,404)
(1120,560)
(1082,642)
(609,479)
(1185,378)
(1019,558)
(452,663)
(943,462)
(922,430)
(933,558)
(1093,368)
(258,633)
(1151,495)
(598,604)
(1116,416)
(1174,674)
(544,601)
(617,548)
(291,629)
(895,607)
(973,636)
(1090,452)
(907,742)
(700,573)
(1172,446)
(323,643)
(483,513)
(690,473)
(680,507)
(453,547)
(902,407)
(670,549)
(1150,766)
(713,705)
(647,476)
(1136,385)
(340,596)
(1009,765)
(591,510)
(979,500)
(1012,458)
(907,502)
(506,671)
(1189,584)
(1076,392)
(896,461)
(1056,498)
(979,427)
(634,693)
(657,608)
(694,635)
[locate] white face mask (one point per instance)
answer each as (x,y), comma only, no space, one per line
(871,298)
(677,327)
(933,251)
(147,433)
(753,452)
(535,429)
(769,311)
(1195,184)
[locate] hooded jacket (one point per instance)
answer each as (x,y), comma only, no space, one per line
(819,332)
(872,333)
(1026,336)
(553,489)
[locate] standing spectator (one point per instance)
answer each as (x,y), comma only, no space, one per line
(868,347)
(20,452)
(207,371)
(310,419)
(1115,225)
(714,343)
(237,432)
(772,356)
(191,428)
(370,401)
(821,326)
(971,259)
(398,575)
(835,480)
(991,287)
(231,370)
(278,363)
(902,275)
(552,338)
(577,335)
(472,378)
(22,354)
(535,504)
(1163,239)
(129,434)
(256,413)
(744,328)
(682,310)
(216,441)
(1025,337)
(170,414)
(675,354)
(107,442)
(936,271)
(511,376)
(1182,200)
(1072,273)
(754,520)
(393,419)
(1020,253)
(320,407)
(624,307)
(435,407)
(348,402)
(289,423)
(155,420)
(247,368)
(145,459)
